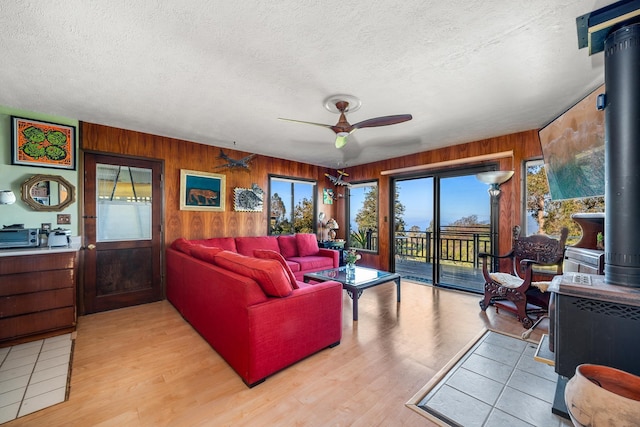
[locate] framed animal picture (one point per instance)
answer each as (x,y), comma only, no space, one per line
(202,191)
(248,199)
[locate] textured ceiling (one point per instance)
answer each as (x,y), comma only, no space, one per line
(219,72)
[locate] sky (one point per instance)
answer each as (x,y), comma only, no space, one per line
(283,189)
(460,197)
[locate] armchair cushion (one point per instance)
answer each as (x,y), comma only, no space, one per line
(510,281)
(269,274)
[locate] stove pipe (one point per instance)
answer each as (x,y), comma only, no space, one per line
(622,156)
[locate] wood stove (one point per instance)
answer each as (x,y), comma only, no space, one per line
(596,319)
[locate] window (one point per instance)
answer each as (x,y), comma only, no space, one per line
(123,201)
(547,216)
(291,205)
(363,215)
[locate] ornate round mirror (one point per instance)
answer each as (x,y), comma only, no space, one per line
(48,193)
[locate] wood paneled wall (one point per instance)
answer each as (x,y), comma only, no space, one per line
(524,145)
(178,154)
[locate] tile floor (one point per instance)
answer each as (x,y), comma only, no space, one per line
(34,375)
(496,383)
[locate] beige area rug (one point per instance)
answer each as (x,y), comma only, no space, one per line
(493,381)
(35,375)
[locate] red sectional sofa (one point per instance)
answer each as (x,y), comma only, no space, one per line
(247,300)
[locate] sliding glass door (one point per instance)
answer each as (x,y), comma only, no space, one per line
(442,222)
(464,230)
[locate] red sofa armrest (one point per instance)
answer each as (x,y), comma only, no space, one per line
(331,253)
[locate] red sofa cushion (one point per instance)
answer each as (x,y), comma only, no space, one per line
(288,245)
(183,245)
(266,254)
(307,244)
(205,253)
(226,243)
(314,263)
(246,245)
(269,274)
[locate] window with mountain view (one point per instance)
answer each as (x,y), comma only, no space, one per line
(291,205)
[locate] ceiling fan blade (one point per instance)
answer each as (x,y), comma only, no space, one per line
(383,121)
(307,123)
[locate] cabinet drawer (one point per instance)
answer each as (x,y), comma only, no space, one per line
(36,281)
(44,321)
(15,305)
(29,263)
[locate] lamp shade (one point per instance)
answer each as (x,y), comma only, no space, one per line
(494,177)
(7,197)
(332,224)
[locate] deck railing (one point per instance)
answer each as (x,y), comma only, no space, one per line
(458,244)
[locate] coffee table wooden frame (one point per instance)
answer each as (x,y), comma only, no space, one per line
(351,284)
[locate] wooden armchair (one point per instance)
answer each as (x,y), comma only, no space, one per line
(515,290)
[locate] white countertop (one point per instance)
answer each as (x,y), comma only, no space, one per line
(43,250)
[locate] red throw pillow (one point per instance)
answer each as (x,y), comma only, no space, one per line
(205,253)
(288,245)
(268,273)
(307,244)
(267,254)
(183,245)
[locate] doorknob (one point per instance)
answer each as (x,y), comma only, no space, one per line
(91,246)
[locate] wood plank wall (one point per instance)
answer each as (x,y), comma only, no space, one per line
(178,154)
(525,146)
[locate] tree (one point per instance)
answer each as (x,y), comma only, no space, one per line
(278,209)
(278,221)
(398,212)
(367,216)
(303,216)
(537,194)
(468,221)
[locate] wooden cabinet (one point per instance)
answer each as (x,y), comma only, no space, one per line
(37,295)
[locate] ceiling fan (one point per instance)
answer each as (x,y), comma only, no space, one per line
(347,103)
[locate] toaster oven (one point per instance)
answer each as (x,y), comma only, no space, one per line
(19,238)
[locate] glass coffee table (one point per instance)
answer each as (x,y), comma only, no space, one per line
(355,280)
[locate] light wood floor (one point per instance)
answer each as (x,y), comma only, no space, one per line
(145,366)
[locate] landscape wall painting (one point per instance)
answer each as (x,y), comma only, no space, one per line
(573,150)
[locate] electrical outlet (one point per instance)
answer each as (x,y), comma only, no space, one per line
(64,218)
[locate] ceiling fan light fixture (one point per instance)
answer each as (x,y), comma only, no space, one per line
(341,139)
(348,103)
